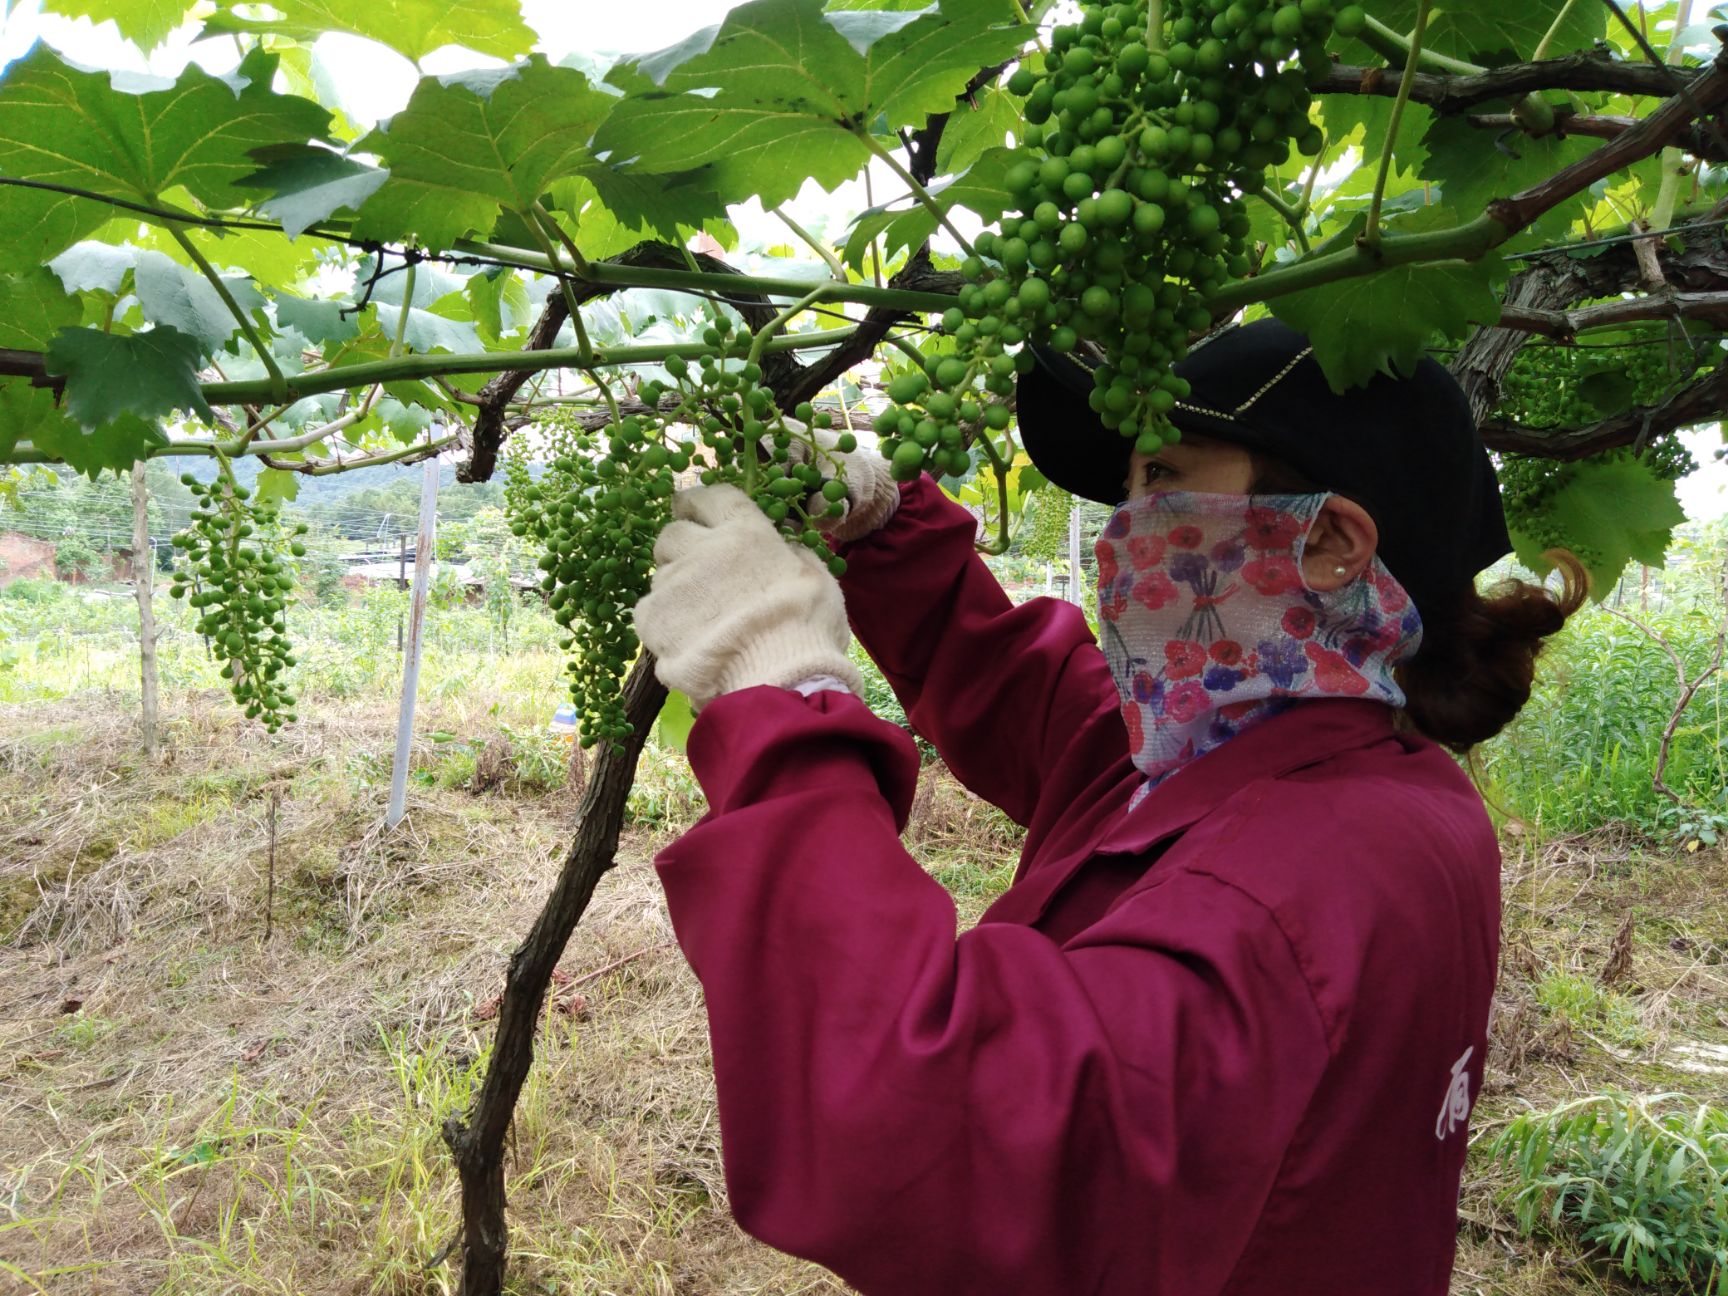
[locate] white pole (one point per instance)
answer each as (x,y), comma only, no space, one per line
(411,656)
(143,574)
(1074,595)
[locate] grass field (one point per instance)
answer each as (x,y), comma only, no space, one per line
(219,1073)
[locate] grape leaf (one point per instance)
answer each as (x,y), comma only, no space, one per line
(269,256)
(276,484)
(1472,171)
(317,321)
(432,283)
(35,224)
(62,124)
(1496,31)
(32,307)
(499,303)
(90,266)
(1383,322)
(1609,514)
(773,95)
(982,190)
(676,720)
(469,144)
(143,22)
(30,413)
(980,123)
(143,375)
(428,331)
(1373,114)
(184,299)
(116,445)
(412,27)
(307,184)
(669,203)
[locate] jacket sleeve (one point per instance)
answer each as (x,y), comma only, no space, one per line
(999,690)
(924,1114)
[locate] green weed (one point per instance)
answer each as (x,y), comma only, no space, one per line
(1587,1006)
(1643,1178)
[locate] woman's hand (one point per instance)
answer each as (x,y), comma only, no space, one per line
(871,495)
(732,604)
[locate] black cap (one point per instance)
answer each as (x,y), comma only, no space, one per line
(1406,449)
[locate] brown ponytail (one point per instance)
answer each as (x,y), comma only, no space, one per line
(1478,656)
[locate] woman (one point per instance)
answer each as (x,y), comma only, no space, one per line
(1223,1032)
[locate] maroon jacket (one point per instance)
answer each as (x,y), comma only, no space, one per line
(1224,1045)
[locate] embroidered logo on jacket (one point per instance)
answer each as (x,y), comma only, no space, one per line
(1456,1109)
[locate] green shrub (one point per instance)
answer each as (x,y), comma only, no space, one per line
(34,591)
(1643,1178)
(73,557)
(1582,752)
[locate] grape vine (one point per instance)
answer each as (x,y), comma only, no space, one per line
(229,567)
(1563,386)
(1147,127)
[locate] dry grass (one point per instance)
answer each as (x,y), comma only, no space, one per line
(1613,976)
(187,1107)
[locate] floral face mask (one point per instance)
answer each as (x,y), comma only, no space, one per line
(1209,627)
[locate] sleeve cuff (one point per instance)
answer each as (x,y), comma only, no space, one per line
(820,684)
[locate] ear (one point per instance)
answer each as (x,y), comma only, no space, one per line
(1341,544)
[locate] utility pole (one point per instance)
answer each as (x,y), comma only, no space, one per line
(143,577)
(1074,595)
(416,624)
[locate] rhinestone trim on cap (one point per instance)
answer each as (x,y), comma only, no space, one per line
(1248,404)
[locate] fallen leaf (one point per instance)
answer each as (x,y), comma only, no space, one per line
(254,1051)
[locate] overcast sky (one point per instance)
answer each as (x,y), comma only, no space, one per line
(375,82)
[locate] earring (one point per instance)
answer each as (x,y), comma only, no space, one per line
(1340,570)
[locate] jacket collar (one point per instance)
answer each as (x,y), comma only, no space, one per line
(1303,735)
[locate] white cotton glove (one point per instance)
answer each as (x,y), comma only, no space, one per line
(871,495)
(732,604)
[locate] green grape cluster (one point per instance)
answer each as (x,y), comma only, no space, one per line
(1563,386)
(228,567)
(1045,537)
(1147,125)
(1528,486)
(606,495)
